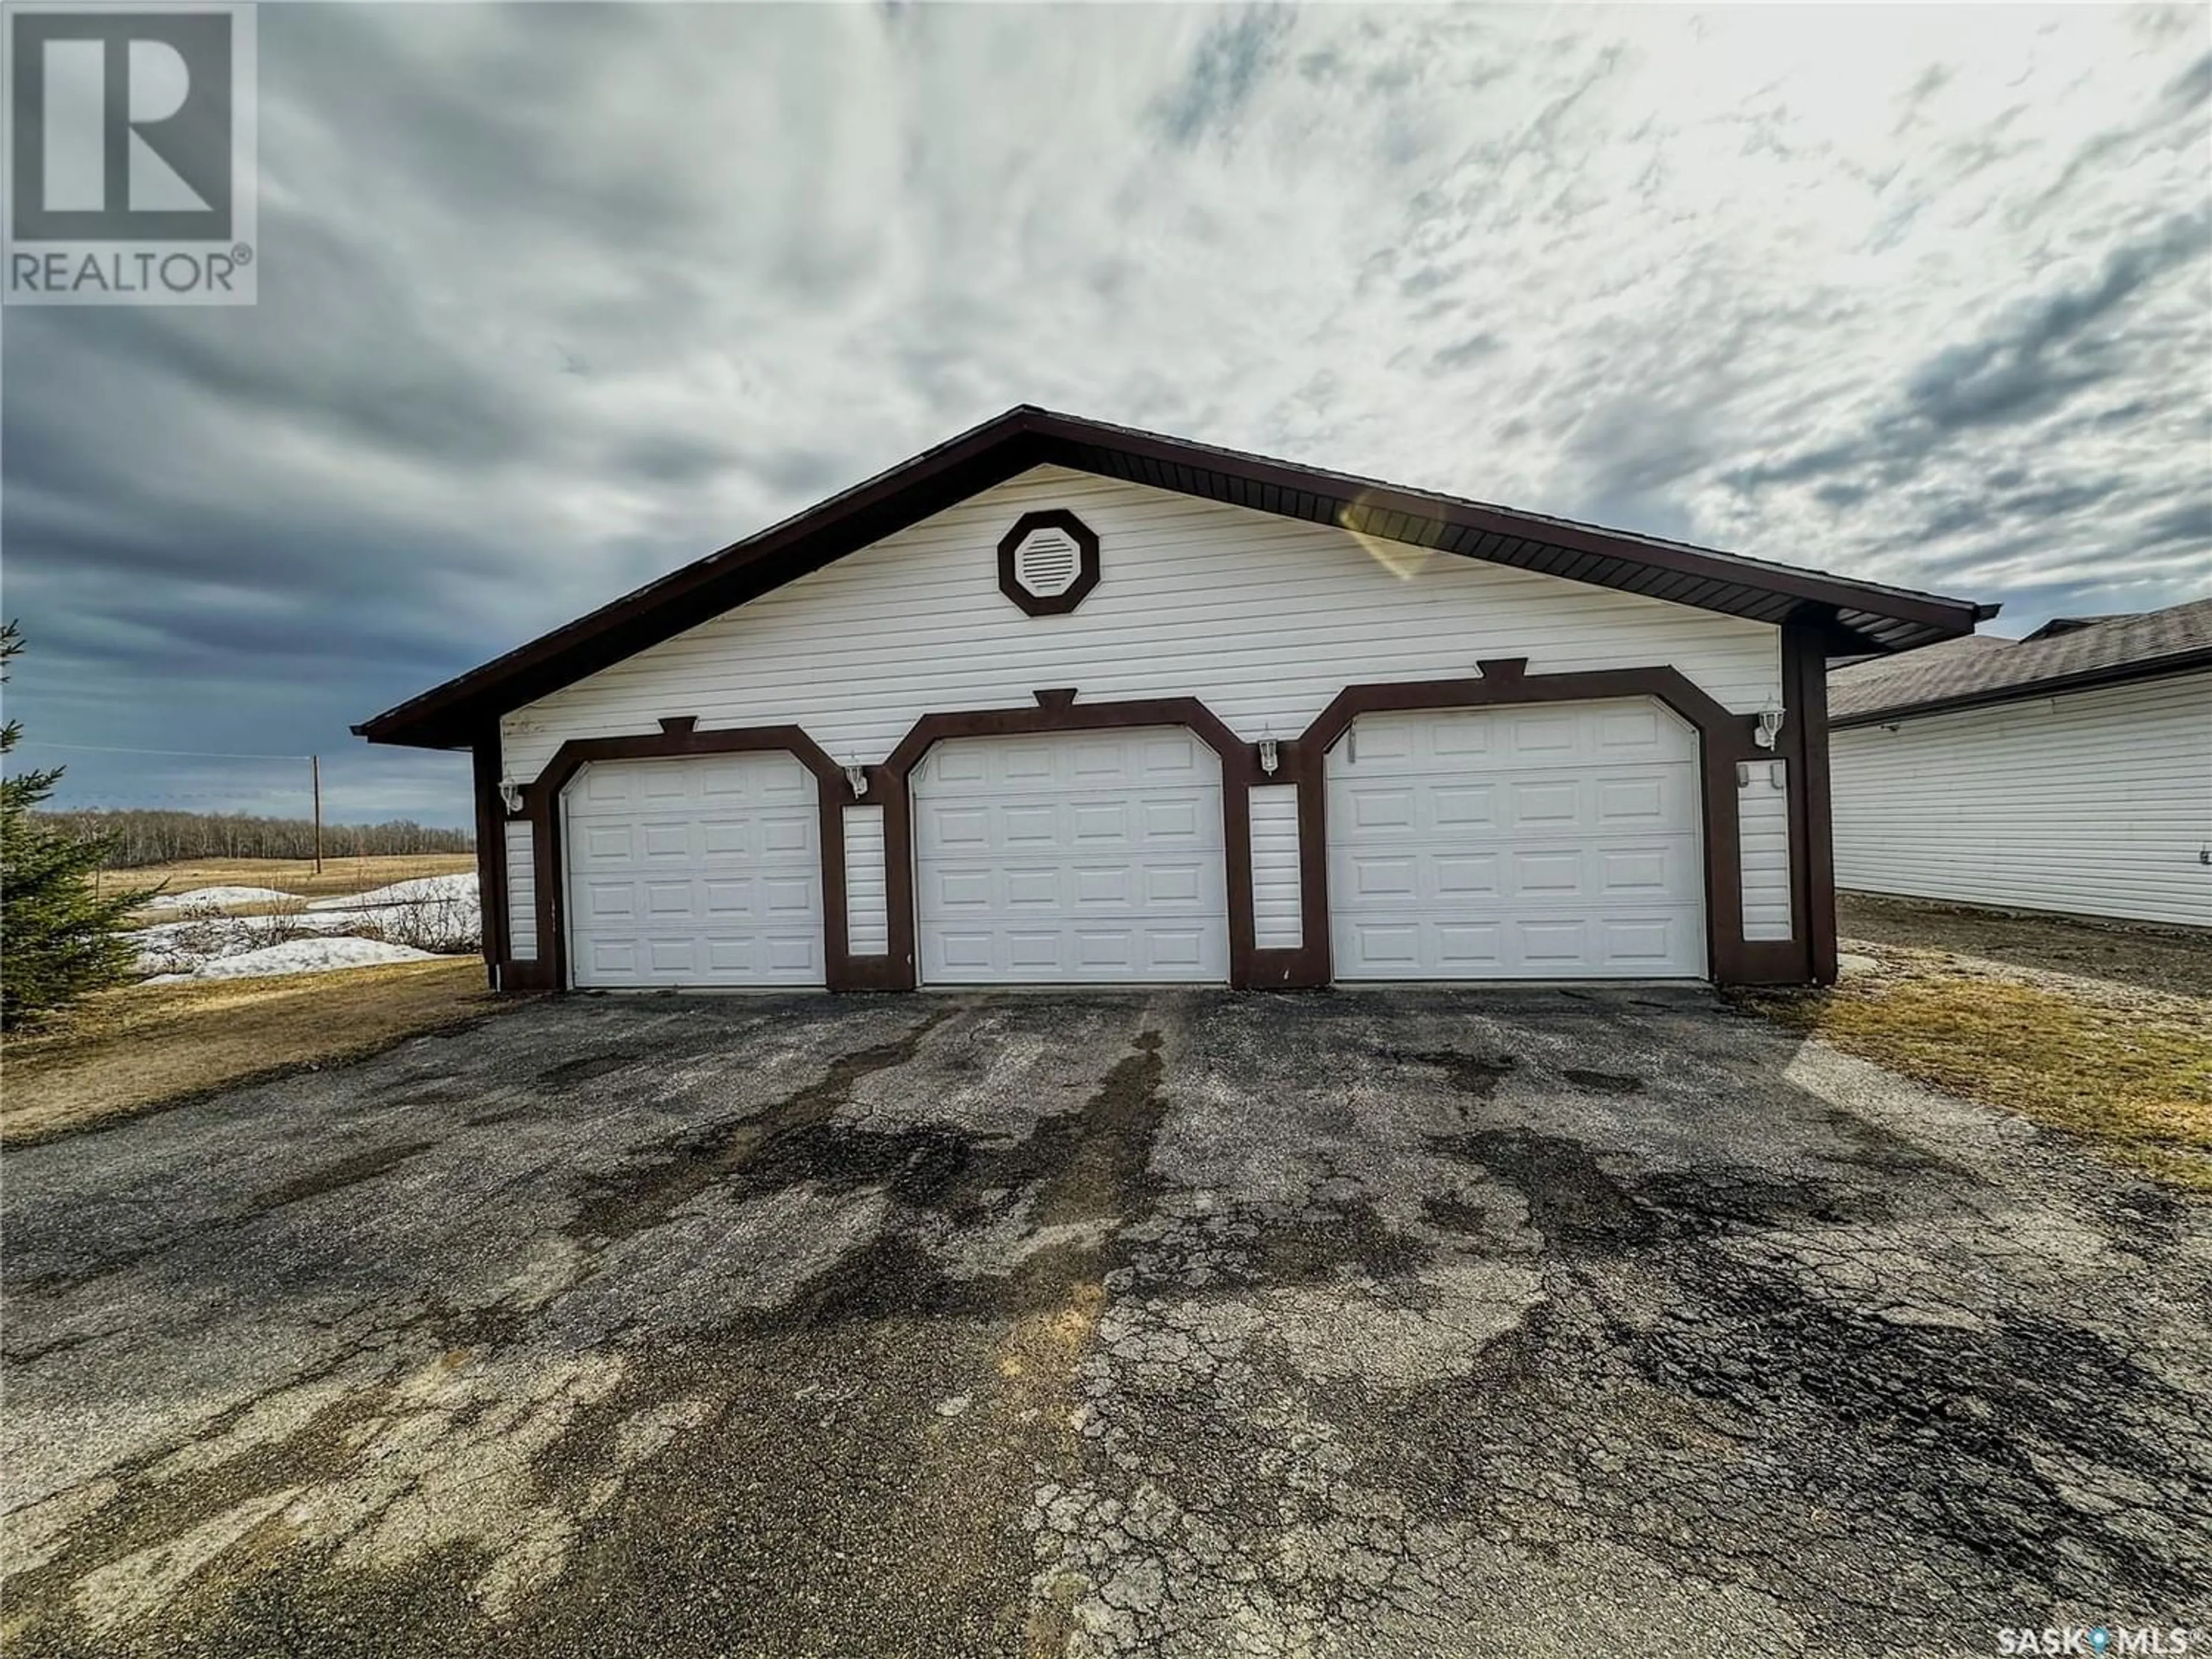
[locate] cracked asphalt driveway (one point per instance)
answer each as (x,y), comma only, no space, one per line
(1393,1323)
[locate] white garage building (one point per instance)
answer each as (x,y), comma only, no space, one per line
(1062,702)
(2069,771)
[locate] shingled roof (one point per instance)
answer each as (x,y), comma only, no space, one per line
(1980,669)
(1854,614)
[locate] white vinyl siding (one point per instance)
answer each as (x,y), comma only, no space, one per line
(1275,897)
(1263,618)
(521,891)
(1762,799)
(2097,803)
(867,912)
(704,870)
(1089,857)
(1553,840)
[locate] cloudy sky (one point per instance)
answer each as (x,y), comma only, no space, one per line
(557,298)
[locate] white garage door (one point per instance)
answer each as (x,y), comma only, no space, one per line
(1086,856)
(705,871)
(1554,841)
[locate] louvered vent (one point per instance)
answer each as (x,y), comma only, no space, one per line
(1048,562)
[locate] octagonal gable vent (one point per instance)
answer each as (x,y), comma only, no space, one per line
(1048,562)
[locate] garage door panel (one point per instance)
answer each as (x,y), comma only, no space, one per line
(1094,857)
(611,899)
(1379,877)
(1463,806)
(699,870)
(1030,889)
(1382,808)
(1540,875)
(1180,820)
(1544,807)
(1091,822)
(1516,843)
(1470,946)
(1465,876)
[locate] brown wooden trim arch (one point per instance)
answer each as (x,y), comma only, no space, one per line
(491,854)
(1724,738)
(1240,768)
(541,805)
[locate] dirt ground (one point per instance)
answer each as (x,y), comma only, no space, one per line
(124,1050)
(2157,958)
(1361,1326)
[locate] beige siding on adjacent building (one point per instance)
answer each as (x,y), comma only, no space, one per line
(2094,802)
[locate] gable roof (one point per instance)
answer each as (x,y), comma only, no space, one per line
(1859,616)
(1968,672)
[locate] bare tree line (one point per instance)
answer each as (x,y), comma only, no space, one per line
(147,836)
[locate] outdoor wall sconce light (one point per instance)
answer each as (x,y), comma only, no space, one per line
(1270,757)
(510,792)
(856,778)
(1770,724)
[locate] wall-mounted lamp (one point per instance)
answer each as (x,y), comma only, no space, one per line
(856,778)
(1770,724)
(1270,757)
(511,792)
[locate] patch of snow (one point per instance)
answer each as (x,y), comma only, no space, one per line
(424,890)
(173,946)
(214,895)
(299,955)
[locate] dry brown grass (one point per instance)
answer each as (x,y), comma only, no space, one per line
(2130,1071)
(127,1050)
(292,875)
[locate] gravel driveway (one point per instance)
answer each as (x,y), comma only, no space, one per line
(1415,1324)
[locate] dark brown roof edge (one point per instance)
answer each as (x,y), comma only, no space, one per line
(451,714)
(2116,673)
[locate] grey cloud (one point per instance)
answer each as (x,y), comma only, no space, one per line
(1228,65)
(2037,359)
(553,300)
(1473,348)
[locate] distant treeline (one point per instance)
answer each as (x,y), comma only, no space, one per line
(151,837)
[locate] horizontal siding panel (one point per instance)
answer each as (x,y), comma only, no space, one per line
(2097,803)
(867,907)
(1276,920)
(1762,820)
(521,891)
(1262,618)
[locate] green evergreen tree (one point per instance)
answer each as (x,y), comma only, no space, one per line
(59,938)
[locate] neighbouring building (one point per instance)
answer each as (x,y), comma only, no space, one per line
(2069,771)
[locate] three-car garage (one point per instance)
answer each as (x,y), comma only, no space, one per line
(1511,843)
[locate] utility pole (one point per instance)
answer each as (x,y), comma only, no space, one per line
(315,780)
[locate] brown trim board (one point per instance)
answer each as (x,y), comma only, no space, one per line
(491,853)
